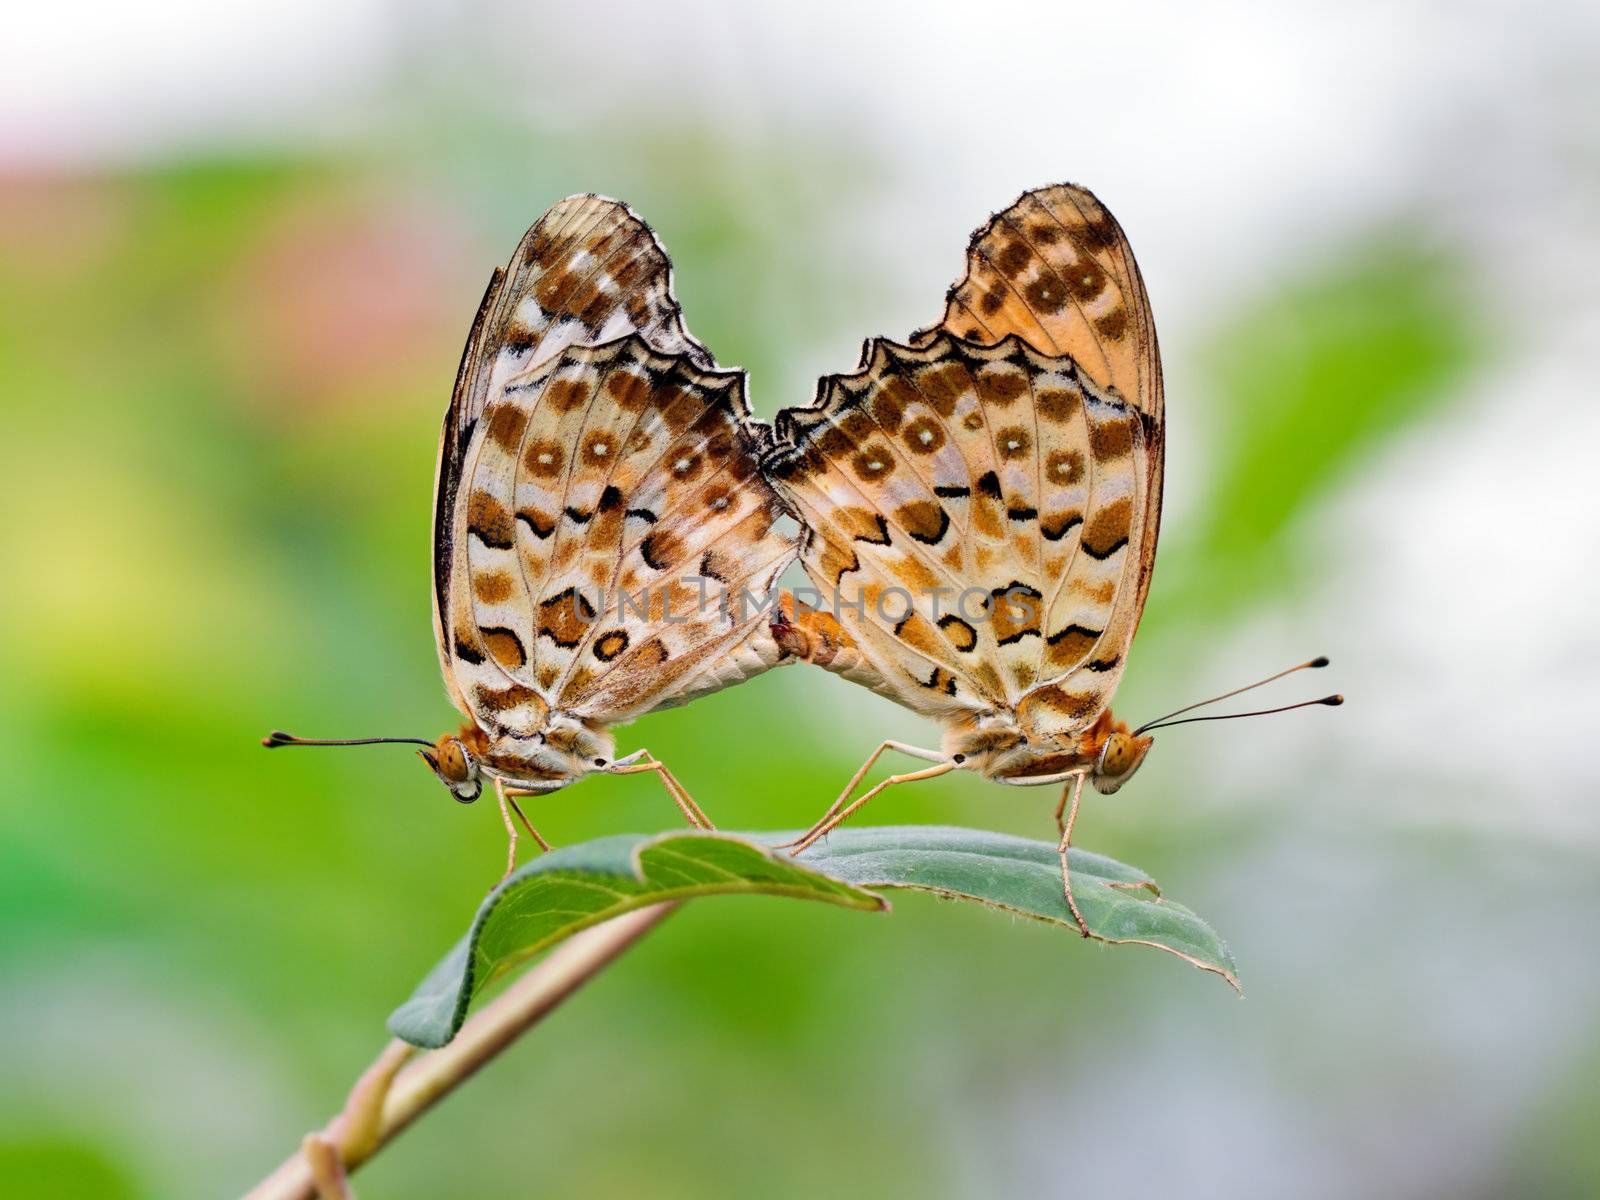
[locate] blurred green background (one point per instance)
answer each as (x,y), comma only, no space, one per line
(238,255)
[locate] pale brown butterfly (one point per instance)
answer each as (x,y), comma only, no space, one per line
(598,509)
(980,507)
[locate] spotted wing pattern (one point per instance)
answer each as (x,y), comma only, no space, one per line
(599,508)
(1011,453)
(971,516)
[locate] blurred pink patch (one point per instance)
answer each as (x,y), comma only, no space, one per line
(344,298)
(59,227)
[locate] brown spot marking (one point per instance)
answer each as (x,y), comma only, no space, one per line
(564,395)
(465,645)
(1068,646)
(924,436)
(993,300)
(499,700)
(506,423)
(924,520)
(1084,279)
(504,646)
(1045,294)
(719,565)
(988,678)
(888,407)
(1014,612)
(915,631)
(717,499)
(944,386)
(1046,233)
(630,391)
(915,574)
(686,467)
(874,463)
(646,656)
(547,676)
(1013,258)
(1056,526)
(492,587)
(960,634)
(1114,324)
(1057,701)
(1064,468)
(862,524)
(834,442)
(577,683)
(679,407)
(541,525)
(490,521)
(608,645)
(600,448)
(1059,404)
(973,421)
(565,617)
(608,518)
(519,336)
(1107,531)
(999,387)
(1101,592)
(1023,674)
(661,549)
(1014,442)
(1097,233)
(836,561)
(544,458)
(1111,438)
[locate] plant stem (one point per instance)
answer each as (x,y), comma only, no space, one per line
(390,1095)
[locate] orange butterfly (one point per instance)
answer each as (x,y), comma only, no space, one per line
(598,512)
(980,508)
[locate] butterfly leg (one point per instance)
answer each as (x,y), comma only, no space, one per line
(823,828)
(508,805)
(811,834)
(1074,790)
(692,812)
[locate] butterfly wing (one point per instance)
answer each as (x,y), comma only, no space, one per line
(1011,454)
(971,518)
(593,462)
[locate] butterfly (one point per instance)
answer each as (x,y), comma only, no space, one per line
(980,507)
(600,522)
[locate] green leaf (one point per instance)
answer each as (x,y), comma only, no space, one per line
(571,888)
(1023,877)
(575,887)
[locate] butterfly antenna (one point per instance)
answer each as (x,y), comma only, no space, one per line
(1330,701)
(279,738)
(1315,664)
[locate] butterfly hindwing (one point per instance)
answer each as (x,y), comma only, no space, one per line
(566,546)
(1003,472)
(970,511)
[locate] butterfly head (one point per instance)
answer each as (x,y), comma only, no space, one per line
(456,766)
(1120,756)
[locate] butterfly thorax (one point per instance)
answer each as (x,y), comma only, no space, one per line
(999,747)
(563,749)
(996,746)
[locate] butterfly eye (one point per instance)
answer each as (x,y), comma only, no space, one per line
(599,762)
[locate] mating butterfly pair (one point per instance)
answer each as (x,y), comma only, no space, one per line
(978,510)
